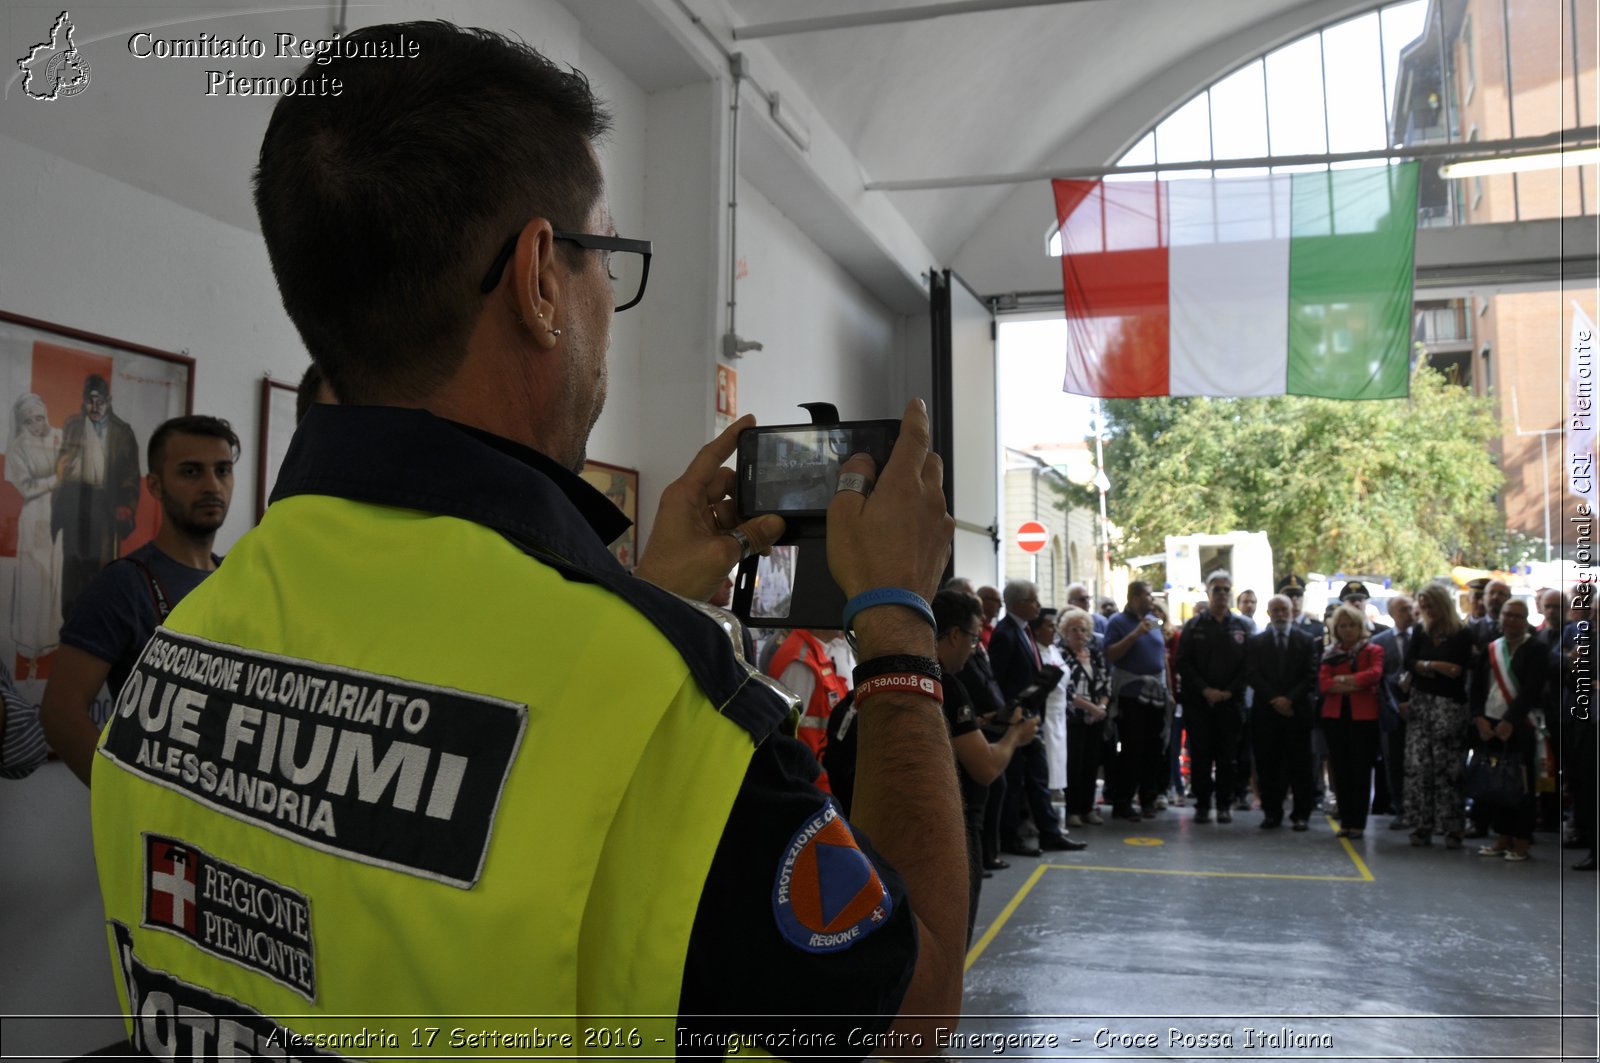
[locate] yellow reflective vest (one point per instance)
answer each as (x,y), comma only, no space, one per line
(391,777)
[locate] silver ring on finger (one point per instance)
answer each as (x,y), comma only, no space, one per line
(854,481)
(743,540)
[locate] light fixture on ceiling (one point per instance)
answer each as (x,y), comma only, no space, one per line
(1552,160)
(789,122)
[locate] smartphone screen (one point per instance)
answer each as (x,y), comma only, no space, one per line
(799,469)
(793,470)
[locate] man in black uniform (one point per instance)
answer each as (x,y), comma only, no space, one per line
(1486,628)
(1294,588)
(1211,668)
(1355,593)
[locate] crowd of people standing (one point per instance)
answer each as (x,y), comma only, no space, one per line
(1355,717)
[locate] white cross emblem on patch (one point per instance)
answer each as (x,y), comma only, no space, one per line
(176,886)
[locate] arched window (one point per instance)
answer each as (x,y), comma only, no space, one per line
(1403,74)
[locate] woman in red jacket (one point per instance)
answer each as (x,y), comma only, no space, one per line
(1352,667)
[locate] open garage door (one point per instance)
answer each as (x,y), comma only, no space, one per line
(965,432)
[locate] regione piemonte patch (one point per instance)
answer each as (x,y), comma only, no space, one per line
(828,895)
(391,772)
(230,911)
(170,1015)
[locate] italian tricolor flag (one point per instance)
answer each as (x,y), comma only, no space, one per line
(1296,284)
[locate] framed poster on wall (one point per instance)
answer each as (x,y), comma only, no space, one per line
(622,487)
(277,428)
(79,409)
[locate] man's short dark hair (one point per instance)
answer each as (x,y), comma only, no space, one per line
(1138,586)
(95,382)
(383,206)
(955,609)
(197,424)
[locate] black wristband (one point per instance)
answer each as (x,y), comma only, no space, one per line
(896,662)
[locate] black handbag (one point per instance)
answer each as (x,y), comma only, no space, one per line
(1495,775)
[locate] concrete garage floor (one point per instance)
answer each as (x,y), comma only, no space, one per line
(1383,950)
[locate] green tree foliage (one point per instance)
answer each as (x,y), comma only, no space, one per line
(1401,487)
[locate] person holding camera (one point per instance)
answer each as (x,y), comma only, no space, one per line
(979,761)
(1138,656)
(431,601)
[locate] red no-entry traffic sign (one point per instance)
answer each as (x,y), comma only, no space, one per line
(1032,536)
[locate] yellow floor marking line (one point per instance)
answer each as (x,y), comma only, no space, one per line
(1206,874)
(1005,914)
(1032,880)
(1366,875)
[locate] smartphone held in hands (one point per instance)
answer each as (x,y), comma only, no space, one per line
(793,470)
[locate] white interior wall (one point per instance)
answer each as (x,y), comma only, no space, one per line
(683,193)
(622,156)
(111,259)
(975,437)
(825,337)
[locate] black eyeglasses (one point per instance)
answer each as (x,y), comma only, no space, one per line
(627,264)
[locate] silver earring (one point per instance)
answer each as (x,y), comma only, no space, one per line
(547,328)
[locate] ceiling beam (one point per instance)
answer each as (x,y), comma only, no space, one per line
(919,13)
(1568,139)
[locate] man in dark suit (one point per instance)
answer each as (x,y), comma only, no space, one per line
(1281,668)
(1011,651)
(1015,659)
(1393,703)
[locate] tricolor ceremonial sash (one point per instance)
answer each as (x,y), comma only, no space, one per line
(1500,667)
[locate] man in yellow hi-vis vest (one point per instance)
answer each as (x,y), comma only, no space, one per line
(380,786)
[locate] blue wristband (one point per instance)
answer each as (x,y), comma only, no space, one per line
(885,596)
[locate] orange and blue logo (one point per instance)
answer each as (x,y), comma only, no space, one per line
(828,895)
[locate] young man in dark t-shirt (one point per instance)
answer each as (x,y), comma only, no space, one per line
(958,619)
(191,463)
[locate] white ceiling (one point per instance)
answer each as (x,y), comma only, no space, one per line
(990,92)
(995,92)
